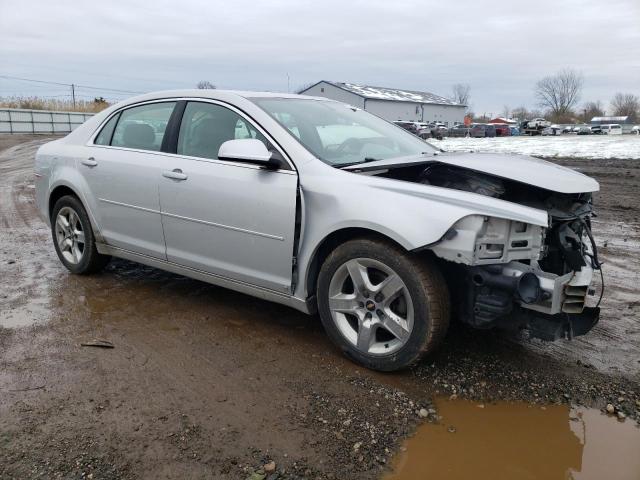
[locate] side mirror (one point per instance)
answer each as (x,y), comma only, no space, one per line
(248,150)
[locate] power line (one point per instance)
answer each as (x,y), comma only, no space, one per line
(87,87)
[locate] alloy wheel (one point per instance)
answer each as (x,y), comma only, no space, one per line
(70,235)
(371,306)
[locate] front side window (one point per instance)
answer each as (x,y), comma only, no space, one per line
(339,134)
(206,126)
(143,127)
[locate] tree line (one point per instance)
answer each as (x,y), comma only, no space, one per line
(558,98)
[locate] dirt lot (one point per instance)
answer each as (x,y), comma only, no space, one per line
(207,383)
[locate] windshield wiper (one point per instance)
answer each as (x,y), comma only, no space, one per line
(365,160)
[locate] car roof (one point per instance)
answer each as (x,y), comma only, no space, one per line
(217,94)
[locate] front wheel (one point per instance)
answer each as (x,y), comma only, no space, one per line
(383,307)
(73,237)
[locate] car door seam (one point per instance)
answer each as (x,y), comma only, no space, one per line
(164,235)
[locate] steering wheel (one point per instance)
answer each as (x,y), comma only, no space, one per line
(350,145)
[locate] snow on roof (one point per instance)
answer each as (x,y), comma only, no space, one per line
(503,120)
(383,93)
(609,119)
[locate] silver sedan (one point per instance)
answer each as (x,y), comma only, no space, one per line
(324,207)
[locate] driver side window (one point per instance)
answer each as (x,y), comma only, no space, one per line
(206,126)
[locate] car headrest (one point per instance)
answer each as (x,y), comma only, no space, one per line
(139,135)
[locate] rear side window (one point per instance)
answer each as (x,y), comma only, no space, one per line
(206,126)
(143,127)
(104,137)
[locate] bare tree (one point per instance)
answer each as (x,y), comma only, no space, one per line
(520,114)
(535,113)
(626,104)
(590,110)
(506,111)
(205,85)
(559,93)
(461,93)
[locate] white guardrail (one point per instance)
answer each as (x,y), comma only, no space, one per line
(16,120)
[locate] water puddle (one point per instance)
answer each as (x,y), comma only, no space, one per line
(519,441)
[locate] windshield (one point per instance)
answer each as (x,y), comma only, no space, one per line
(339,134)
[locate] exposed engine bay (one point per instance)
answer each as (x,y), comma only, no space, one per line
(509,274)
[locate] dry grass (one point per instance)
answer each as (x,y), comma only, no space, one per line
(66,105)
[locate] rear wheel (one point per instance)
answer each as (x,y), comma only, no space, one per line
(73,237)
(384,308)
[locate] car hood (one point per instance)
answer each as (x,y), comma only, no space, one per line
(521,168)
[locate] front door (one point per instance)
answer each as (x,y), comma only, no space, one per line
(231,219)
(121,169)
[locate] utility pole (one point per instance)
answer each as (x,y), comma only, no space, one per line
(288,84)
(73,95)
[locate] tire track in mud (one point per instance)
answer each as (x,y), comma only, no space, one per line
(27,265)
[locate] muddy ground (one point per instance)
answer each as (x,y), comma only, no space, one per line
(207,383)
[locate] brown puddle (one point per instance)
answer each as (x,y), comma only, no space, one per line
(520,441)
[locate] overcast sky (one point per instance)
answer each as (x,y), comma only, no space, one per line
(499,48)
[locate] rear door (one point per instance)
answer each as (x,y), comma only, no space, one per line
(228,218)
(122,168)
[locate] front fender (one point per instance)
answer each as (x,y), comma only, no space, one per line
(413,215)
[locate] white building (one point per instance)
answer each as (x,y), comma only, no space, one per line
(390,103)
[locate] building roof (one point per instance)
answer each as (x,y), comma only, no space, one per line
(610,119)
(384,93)
(509,121)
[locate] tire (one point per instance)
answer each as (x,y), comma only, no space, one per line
(74,240)
(356,318)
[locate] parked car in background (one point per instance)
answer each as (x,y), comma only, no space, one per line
(538,123)
(596,129)
(482,130)
(460,130)
(635,130)
(489,130)
(425,132)
(567,129)
(584,130)
(477,130)
(432,130)
(552,130)
(515,131)
(611,129)
(502,129)
(409,126)
(324,208)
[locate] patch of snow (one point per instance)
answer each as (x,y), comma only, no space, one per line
(383,93)
(572,146)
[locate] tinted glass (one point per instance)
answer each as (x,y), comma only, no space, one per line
(206,126)
(104,137)
(339,134)
(143,127)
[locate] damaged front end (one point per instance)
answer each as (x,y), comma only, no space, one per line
(510,274)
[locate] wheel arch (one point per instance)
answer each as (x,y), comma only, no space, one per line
(330,242)
(57,193)
(63,188)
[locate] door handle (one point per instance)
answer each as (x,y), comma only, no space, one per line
(89,162)
(175,174)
